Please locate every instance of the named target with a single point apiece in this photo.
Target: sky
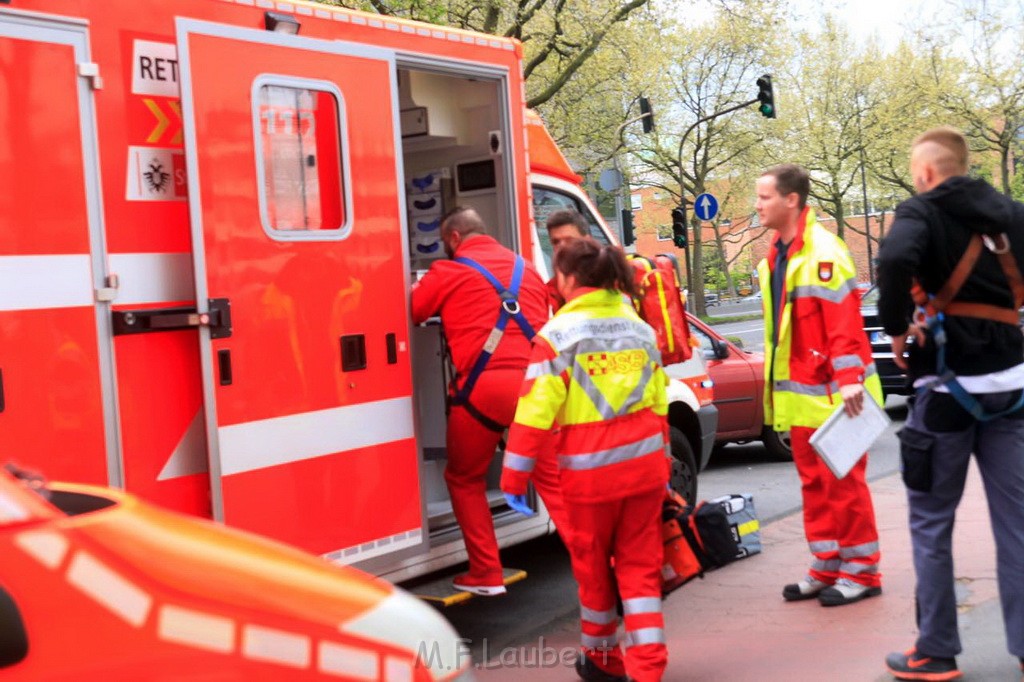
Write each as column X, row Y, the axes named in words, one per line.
column 887, row 18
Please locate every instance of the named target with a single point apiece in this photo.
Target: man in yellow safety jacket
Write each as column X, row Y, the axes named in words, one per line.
column 817, row 358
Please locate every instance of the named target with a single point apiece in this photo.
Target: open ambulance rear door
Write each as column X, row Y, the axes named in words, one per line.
column 299, row 242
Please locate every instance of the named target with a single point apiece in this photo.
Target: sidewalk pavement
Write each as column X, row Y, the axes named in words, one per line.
column 734, row 626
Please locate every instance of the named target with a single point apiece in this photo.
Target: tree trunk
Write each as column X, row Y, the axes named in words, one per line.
column 730, row 285
column 1004, row 169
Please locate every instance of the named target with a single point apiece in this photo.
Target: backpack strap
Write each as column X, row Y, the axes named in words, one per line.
column 933, row 309
column 943, row 302
column 509, row 308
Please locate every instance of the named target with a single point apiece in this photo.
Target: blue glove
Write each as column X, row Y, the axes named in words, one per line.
column 518, row 503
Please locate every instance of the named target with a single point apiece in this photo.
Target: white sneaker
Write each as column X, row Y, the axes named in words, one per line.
column 846, row 591
column 808, row 588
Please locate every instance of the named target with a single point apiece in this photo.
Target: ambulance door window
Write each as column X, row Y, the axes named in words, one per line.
column 547, row 201
column 300, row 160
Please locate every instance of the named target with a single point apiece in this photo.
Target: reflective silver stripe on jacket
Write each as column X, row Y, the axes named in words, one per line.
column 817, row 390
column 867, row 549
column 638, row 605
column 519, row 462
column 598, row 617
column 604, row 408
column 844, row 361
column 622, row 453
column 599, row 642
column 547, row 367
column 603, row 329
column 645, row 636
column 824, row 293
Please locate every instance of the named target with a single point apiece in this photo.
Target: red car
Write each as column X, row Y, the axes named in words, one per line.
column 738, row 376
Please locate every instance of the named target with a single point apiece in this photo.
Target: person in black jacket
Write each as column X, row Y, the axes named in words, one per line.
column 984, row 350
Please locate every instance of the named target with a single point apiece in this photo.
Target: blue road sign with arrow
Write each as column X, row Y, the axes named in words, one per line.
column 705, row 206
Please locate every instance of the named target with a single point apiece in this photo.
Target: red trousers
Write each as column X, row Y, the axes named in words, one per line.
column 471, row 449
column 627, row 531
column 839, row 518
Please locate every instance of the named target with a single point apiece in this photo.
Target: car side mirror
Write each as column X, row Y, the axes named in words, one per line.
column 721, row 348
column 14, row 643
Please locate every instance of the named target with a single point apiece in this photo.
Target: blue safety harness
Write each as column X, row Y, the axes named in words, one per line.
column 931, row 313
column 508, row 309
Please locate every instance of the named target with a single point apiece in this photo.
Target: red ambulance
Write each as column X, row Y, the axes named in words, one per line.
column 213, row 211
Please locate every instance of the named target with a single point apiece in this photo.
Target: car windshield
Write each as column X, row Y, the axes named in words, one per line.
column 870, row 297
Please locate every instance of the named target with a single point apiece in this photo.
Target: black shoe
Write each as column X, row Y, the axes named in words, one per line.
column 588, row 670
column 915, row 666
column 846, row 592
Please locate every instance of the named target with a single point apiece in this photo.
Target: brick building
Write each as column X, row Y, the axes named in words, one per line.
column 745, row 241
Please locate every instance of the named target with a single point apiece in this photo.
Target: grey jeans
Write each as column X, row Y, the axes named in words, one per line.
column 998, row 446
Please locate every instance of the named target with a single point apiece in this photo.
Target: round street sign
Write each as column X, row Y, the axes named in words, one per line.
column 705, row 206
column 610, row 180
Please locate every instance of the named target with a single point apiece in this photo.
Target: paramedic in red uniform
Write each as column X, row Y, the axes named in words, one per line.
column 470, row 309
column 817, row 358
column 595, row 376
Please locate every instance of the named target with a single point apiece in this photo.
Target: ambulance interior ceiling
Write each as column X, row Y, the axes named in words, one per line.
column 447, row 123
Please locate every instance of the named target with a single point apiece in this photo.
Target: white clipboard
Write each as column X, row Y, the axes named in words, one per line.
column 841, row 441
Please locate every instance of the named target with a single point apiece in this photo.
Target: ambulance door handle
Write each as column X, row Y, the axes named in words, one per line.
column 353, row 352
column 224, row 367
column 3, row 402
column 392, row 342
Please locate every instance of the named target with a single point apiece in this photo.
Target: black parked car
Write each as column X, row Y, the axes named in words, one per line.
column 894, row 381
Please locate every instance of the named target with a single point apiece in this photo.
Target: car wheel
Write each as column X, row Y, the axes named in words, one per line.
column 777, row 444
column 684, row 466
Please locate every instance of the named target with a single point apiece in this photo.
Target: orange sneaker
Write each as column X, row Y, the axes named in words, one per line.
column 487, row 587
column 914, row 666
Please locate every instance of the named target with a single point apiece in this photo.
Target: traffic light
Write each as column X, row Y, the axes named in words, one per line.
column 679, row 226
column 765, row 96
column 648, row 115
column 627, row 228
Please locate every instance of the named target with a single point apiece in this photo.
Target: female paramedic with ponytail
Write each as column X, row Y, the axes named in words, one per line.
column 595, row 376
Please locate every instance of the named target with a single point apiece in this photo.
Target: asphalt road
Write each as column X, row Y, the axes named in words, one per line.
column 546, row 600
column 751, row 333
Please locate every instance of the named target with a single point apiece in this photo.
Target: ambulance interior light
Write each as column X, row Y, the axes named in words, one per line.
column 281, row 23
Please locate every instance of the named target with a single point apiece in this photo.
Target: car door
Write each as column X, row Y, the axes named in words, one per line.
column 736, row 391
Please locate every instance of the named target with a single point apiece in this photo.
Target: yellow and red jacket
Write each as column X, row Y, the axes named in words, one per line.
column 595, row 374
column 821, row 341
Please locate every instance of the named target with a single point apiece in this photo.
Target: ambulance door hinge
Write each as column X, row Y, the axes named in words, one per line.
column 217, row 319
column 91, row 70
column 108, row 292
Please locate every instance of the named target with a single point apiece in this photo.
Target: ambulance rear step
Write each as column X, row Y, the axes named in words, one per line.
column 441, row 592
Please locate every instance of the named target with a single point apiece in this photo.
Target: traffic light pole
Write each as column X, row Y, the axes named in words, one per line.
column 715, row 115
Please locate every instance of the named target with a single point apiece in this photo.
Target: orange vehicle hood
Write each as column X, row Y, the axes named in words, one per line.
column 545, row 156
column 211, row 563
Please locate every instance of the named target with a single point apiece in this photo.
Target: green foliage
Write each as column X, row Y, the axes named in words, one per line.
column 714, row 272
column 558, row 36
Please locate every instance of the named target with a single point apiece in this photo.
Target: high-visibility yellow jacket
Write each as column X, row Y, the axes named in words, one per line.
column 821, row 341
column 594, row 374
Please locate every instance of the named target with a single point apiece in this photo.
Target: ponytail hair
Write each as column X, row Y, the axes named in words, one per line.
column 593, row 265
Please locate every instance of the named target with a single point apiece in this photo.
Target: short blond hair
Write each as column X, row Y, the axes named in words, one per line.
column 952, row 158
